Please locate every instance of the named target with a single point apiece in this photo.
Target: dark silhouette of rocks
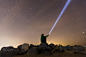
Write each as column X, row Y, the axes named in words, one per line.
column 19, row 48
column 23, row 48
column 9, row 51
column 33, row 51
column 52, row 45
column 31, row 45
column 43, row 48
column 68, row 47
column 81, row 48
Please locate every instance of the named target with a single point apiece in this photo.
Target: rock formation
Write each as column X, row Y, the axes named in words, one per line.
column 23, row 48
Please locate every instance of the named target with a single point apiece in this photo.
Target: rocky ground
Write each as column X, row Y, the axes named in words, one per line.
column 53, row 55
column 56, row 54
column 43, row 50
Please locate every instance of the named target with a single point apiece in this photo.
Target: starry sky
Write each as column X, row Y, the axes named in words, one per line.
column 23, row 21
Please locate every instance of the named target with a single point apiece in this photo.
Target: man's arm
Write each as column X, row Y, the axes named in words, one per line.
column 47, row 35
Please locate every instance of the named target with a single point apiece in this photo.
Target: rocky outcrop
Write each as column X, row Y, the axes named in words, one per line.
column 52, row 45
column 33, row 51
column 44, row 49
column 23, row 48
column 9, row 51
column 61, row 49
column 75, row 48
column 31, row 45
column 81, row 49
column 68, row 47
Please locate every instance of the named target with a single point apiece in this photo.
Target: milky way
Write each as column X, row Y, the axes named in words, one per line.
column 23, row 21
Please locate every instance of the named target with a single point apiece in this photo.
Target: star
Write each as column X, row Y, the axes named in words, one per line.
column 14, row 14
column 30, row 8
column 79, row 14
column 13, row 21
column 8, row 10
column 18, row 8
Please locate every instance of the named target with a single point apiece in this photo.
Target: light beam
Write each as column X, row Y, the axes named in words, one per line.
column 67, row 3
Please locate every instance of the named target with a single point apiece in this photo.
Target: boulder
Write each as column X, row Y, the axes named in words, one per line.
column 68, row 47
column 19, row 48
column 75, row 48
column 65, row 48
column 31, row 45
column 8, row 51
column 44, row 48
column 60, row 49
column 23, row 48
column 55, row 49
column 52, row 45
column 33, row 51
column 14, row 52
column 10, row 48
column 81, row 49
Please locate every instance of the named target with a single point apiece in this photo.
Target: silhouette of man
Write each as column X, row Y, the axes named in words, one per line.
column 43, row 38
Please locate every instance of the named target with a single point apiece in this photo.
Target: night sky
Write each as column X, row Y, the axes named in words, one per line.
column 23, row 21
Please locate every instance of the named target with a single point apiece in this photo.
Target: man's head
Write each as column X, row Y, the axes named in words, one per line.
column 42, row 34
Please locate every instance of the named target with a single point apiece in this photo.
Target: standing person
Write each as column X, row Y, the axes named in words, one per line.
column 43, row 38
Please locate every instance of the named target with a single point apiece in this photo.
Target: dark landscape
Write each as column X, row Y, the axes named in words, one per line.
column 43, row 50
